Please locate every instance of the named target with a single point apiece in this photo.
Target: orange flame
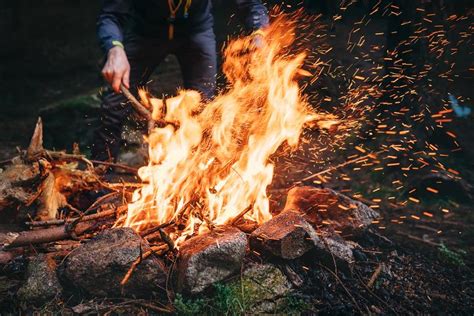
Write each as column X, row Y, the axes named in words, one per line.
column 211, row 161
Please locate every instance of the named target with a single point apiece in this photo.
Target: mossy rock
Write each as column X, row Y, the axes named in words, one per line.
column 263, row 289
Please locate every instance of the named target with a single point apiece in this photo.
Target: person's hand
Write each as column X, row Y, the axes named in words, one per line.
column 117, row 69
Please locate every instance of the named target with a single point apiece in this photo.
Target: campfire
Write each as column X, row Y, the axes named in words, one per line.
column 204, row 189
column 210, row 162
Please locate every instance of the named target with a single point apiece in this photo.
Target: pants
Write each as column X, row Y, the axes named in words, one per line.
column 196, row 55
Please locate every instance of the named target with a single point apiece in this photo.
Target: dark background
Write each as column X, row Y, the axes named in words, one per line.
column 50, row 61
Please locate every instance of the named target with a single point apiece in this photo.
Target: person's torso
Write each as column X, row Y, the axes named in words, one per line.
column 153, row 17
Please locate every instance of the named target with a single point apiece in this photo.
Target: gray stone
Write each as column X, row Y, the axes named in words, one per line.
column 287, row 235
column 210, row 258
column 330, row 245
column 42, row 284
column 330, row 208
column 98, row 266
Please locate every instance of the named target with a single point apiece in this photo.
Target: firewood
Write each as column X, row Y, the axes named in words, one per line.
column 36, row 144
column 33, row 237
column 73, row 227
column 84, row 219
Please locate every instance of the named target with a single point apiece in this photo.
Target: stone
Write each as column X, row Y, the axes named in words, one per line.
column 98, row 266
column 287, row 235
column 331, row 208
column 331, row 245
column 209, row 258
column 264, row 287
column 42, row 284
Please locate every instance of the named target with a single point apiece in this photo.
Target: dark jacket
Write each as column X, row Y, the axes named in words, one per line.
column 149, row 18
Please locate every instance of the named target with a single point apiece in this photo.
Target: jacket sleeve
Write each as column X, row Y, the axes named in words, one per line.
column 253, row 14
column 110, row 22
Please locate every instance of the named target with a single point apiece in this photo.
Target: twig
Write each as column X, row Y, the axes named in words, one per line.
column 142, row 110
column 375, row 275
column 155, row 229
column 32, row 237
column 115, row 165
column 8, row 161
column 84, row 218
column 140, row 259
column 241, row 214
column 66, row 156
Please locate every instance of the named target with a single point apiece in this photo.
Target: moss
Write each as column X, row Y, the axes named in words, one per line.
column 260, row 289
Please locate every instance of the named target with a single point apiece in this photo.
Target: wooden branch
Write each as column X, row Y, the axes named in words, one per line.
column 241, row 214
column 375, row 275
column 72, row 227
column 62, row 221
column 33, row 237
column 115, row 165
column 142, row 110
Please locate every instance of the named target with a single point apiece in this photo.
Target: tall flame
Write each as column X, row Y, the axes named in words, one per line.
column 211, row 162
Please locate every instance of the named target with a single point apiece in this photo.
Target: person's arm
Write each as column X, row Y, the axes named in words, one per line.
column 253, row 14
column 111, row 21
column 110, row 25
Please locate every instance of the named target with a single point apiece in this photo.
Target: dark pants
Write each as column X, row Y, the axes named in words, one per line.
column 196, row 55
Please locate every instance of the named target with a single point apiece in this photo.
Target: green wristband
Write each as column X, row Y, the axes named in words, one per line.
column 117, row 43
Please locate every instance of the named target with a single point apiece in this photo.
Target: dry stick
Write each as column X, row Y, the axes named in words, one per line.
column 241, row 214
column 140, row 259
column 375, row 275
column 355, row 160
column 156, row 228
column 140, row 108
column 66, row 156
column 115, row 165
column 62, row 221
column 32, row 237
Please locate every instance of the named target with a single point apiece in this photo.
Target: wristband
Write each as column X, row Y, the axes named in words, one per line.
column 258, row 32
column 117, row 43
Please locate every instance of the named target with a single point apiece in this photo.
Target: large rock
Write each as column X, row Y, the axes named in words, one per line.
column 264, row 287
column 326, row 206
column 42, row 284
column 287, row 235
column 331, row 245
column 98, row 266
column 210, row 258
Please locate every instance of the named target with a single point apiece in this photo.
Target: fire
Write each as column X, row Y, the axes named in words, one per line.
column 210, row 163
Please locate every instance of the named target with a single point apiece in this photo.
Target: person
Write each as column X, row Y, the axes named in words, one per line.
column 137, row 35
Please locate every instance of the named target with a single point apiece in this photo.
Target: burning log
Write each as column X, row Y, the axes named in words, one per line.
column 287, row 235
